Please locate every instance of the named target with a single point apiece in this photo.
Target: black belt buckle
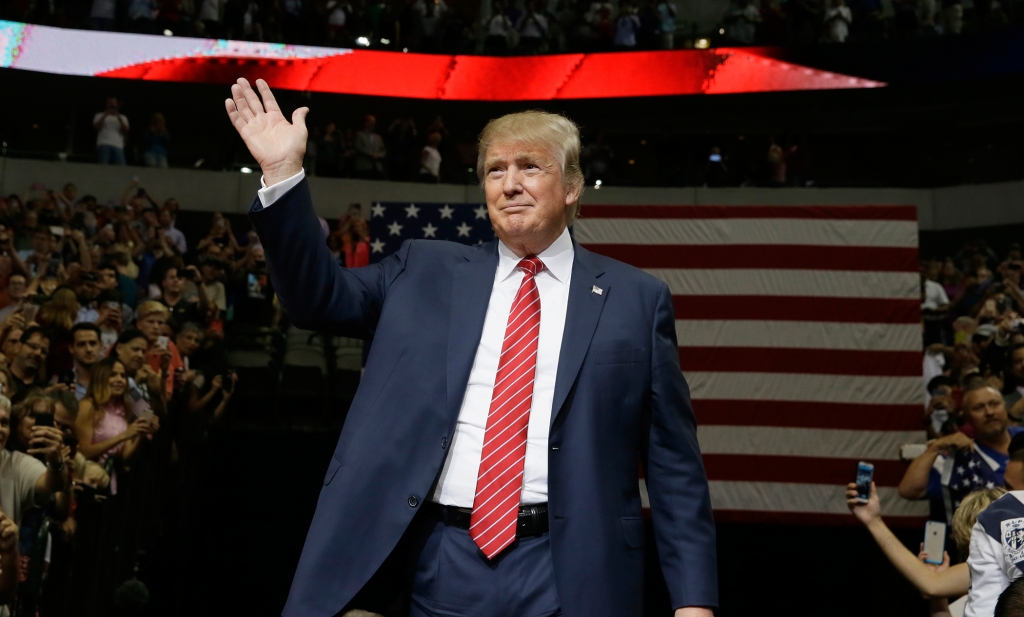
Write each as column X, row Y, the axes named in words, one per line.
column 529, row 523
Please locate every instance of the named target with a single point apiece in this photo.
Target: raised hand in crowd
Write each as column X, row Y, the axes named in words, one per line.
column 277, row 145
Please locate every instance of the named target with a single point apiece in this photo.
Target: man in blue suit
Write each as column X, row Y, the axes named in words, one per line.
column 510, row 391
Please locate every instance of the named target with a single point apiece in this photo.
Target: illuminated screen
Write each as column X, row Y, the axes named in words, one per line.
column 406, row 75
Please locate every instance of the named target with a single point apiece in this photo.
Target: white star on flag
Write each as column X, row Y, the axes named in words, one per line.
column 412, row 211
column 378, row 210
column 446, row 212
column 960, row 469
column 377, row 246
column 395, row 229
column 990, row 485
column 429, row 230
column 481, row 212
column 464, row 230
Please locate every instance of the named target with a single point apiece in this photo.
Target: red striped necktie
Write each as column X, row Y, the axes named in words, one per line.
column 500, row 479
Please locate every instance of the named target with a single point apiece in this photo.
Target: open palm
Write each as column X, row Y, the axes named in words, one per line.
column 276, row 144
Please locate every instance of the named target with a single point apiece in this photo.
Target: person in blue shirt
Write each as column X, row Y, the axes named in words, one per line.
column 955, row 465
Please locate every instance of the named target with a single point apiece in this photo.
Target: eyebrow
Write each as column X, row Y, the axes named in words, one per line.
column 529, row 155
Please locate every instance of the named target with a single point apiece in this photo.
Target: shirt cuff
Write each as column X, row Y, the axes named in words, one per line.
column 270, row 194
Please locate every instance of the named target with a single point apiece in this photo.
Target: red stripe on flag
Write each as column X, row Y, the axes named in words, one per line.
column 797, row 469
column 807, row 519
column 799, row 308
column 809, row 361
column 854, row 213
column 799, row 414
column 763, row 256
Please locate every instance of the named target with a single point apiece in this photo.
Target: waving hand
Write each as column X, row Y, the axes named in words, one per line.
column 276, row 144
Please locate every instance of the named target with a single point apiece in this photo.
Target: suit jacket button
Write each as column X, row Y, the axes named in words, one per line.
column 413, row 501
column 444, row 443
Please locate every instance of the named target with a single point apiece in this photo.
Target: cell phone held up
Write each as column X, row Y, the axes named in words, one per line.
column 865, row 474
column 42, row 419
column 934, row 541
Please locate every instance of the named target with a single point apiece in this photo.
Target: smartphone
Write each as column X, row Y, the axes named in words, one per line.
column 161, row 343
column 52, row 266
column 113, row 305
column 44, row 419
column 57, row 230
column 140, row 407
column 865, row 473
column 28, row 311
column 715, row 158
column 934, row 541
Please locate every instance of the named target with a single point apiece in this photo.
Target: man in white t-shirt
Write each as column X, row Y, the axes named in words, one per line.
column 111, row 127
column 430, row 160
column 935, row 298
column 24, row 481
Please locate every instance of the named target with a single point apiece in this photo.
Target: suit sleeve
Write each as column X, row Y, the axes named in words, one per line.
column 315, row 291
column 988, row 579
column 676, row 483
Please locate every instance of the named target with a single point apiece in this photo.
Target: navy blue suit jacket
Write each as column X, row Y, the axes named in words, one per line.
column 619, row 397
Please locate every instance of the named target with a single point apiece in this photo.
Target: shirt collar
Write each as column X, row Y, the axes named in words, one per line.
column 557, row 259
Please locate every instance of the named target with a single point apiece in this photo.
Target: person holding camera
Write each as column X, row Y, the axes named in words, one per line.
column 172, row 295
column 24, row 480
column 107, row 425
column 111, row 128
column 162, row 357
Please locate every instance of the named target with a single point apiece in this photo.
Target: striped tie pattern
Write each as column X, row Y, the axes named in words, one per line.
column 500, row 479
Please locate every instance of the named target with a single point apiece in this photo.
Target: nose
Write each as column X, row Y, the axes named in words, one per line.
column 510, row 184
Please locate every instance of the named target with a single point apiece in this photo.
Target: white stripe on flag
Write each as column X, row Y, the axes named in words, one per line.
column 790, row 497
column 811, row 442
column 798, row 334
column 817, row 232
column 804, row 387
column 820, row 283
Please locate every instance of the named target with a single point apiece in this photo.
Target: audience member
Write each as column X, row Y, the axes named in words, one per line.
column 87, row 350
column 107, row 425
column 28, row 362
column 25, row 481
column 111, row 128
column 370, row 151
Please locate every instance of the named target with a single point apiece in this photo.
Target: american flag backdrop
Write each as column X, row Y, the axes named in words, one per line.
column 799, row 333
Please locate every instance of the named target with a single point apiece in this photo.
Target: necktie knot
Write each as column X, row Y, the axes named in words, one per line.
column 531, row 265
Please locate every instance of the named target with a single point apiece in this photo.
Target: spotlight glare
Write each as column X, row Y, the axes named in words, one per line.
column 246, row 170
column 168, row 33
column 365, row 42
column 385, row 41
column 702, row 43
column 721, row 30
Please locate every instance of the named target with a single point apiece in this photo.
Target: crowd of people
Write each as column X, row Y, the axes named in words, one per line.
column 973, row 368
column 115, row 330
column 521, row 27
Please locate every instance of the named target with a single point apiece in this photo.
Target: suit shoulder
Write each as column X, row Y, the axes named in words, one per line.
column 622, row 271
column 443, row 248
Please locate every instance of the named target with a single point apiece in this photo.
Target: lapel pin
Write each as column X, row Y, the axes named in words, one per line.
column 596, row 290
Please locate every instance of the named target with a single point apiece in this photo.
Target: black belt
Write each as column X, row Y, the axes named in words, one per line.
column 533, row 520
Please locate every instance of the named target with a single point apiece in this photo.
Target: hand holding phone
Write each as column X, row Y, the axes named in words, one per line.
column 865, row 474
column 161, row 343
column 934, row 542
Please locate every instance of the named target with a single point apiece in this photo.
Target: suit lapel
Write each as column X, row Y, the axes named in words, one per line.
column 472, row 282
column 581, row 317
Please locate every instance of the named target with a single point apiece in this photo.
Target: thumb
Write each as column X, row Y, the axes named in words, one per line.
column 299, row 116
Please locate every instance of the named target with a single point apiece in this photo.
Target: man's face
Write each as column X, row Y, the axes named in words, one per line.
column 32, row 353
column 1018, row 362
column 12, row 344
column 86, row 348
column 133, row 354
column 985, row 412
column 152, row 325
column 188, row 342
column 172, row 282
column 984, row 274
column 88, row 291
column 106, row 280
column 16, row 286
column 210, row 273
column 526, row 198
column 41, row 242
column 165, row 218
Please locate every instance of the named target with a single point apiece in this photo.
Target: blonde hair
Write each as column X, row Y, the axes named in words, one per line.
column 60, row 311
column 967, row 515
column 556, row 133
column 150, row 307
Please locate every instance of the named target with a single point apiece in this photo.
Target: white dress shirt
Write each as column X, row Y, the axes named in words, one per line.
column 457, row 486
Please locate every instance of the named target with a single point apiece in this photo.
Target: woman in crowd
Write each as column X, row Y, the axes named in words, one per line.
column 162, row 355
column 58, row 316
column 355, row 239
column 106, row 425
column 940, row 582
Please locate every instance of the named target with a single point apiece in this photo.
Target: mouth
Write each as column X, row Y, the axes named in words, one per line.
column 515, row 207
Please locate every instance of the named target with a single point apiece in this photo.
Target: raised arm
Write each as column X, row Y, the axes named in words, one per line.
column 314, row 290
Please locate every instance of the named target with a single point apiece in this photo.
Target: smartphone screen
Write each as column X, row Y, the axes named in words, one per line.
column 865, row 473
column 44, row 419
column 161, row 342
column 934, row 541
